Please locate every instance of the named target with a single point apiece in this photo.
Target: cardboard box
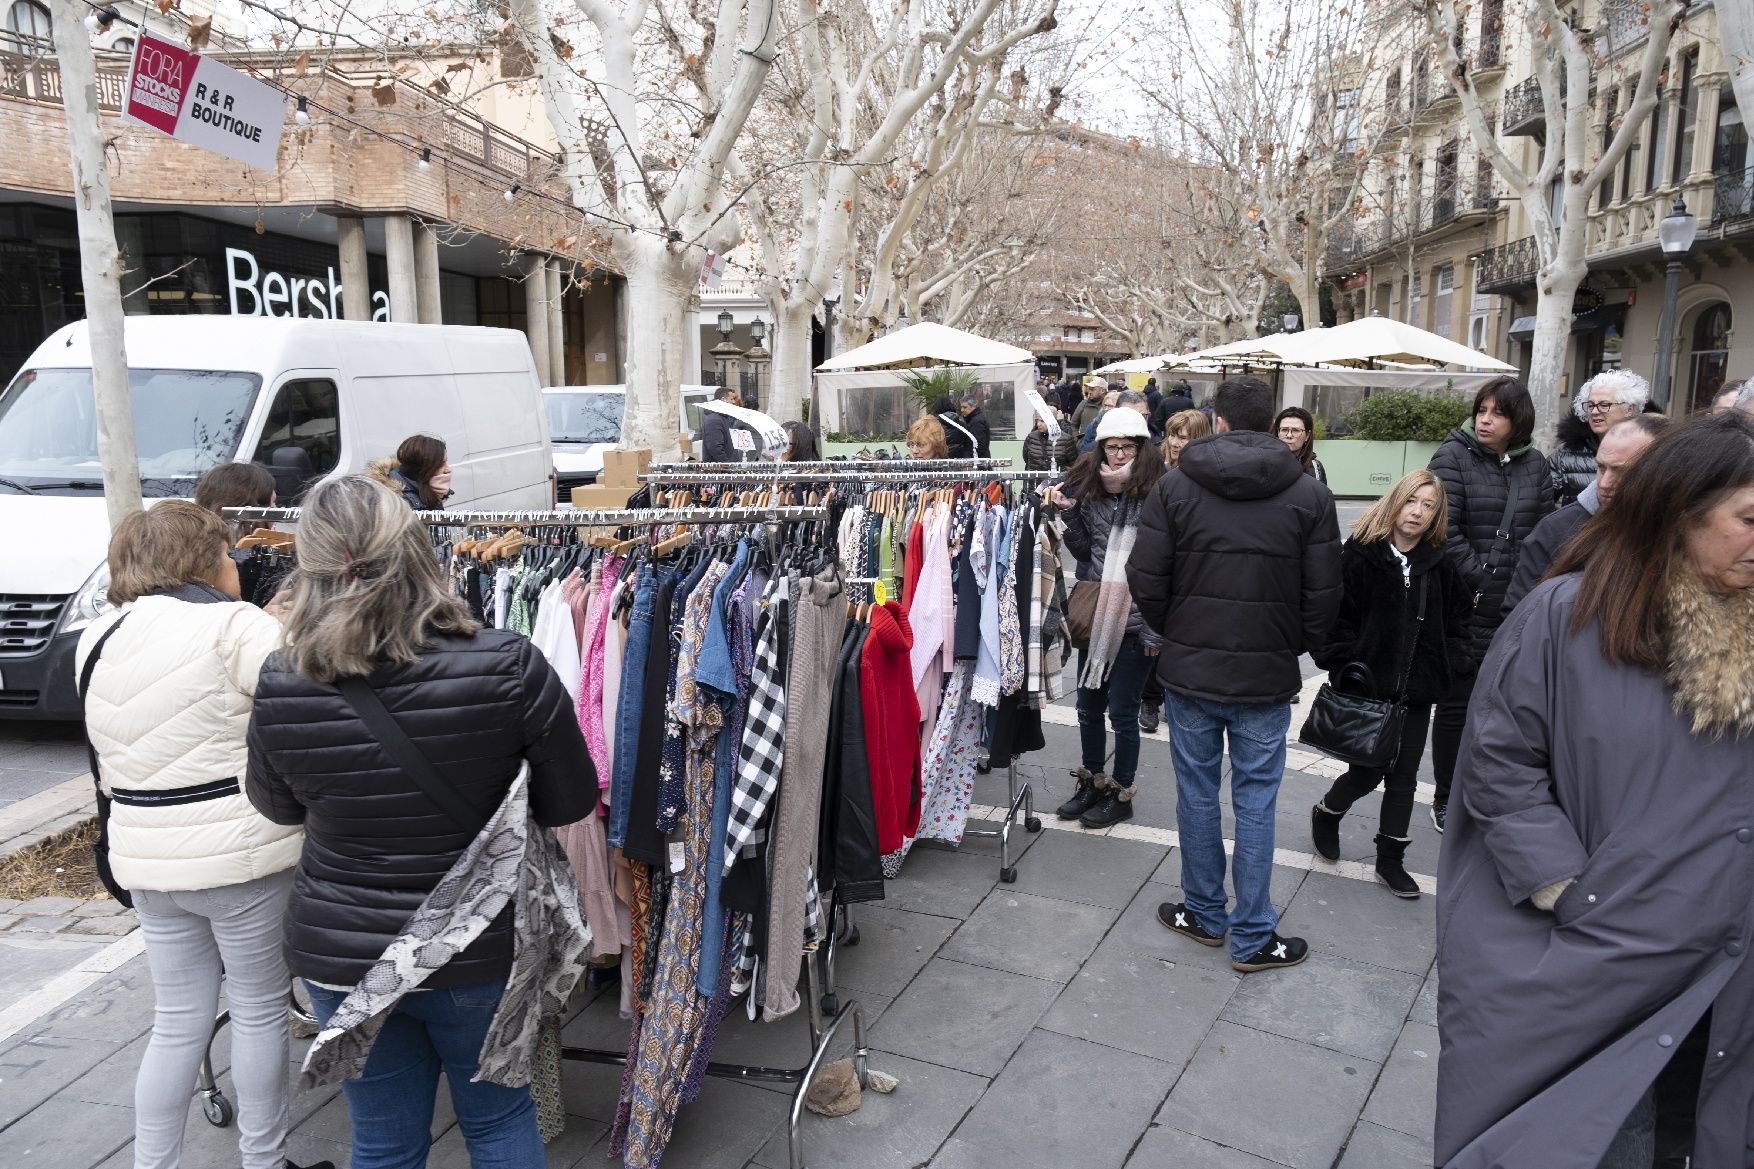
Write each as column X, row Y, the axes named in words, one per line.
column 622, row 468
column 601, row 495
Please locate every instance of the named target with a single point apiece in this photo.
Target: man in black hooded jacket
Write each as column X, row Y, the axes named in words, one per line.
column 1237, row 567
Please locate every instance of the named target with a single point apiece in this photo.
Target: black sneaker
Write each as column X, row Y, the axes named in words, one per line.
column 1116, row 806
column 1150, row 714
column 1439, row 813
column 1084, row 797
column 1324, row 832
column 312, row 1165
column 1276, row 953
column 1177, row 916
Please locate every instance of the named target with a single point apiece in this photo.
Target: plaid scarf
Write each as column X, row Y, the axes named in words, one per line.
column 1114, row 603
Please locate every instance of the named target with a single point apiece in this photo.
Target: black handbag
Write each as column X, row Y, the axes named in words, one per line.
column 101, row 849
column 1346, row 723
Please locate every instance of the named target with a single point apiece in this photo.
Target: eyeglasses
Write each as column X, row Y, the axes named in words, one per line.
column 1118, row 445
column 1292, row 432
column 1599, row 407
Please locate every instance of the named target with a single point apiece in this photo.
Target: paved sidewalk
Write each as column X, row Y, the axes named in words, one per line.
column 1052, row 1022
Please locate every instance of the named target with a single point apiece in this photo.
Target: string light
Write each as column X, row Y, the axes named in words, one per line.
column 426, row 158
column 302, row 114
column 98, row 20
column 512, row 192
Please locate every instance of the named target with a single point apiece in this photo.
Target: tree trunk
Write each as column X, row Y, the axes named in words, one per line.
column 1735, row 26
column 1558, row 285
column 658, row 288
column 792, row 333
column 100, row 262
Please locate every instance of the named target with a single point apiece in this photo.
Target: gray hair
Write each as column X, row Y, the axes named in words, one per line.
column 1628, row 388
column 368, row 590
column 1132, row 398
column 1744, row 396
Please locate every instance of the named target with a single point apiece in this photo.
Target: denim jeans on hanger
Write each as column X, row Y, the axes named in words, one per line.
column 627, row 710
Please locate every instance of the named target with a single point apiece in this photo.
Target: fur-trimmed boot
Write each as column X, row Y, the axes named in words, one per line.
column 1391, row 852
column 1324, row 831
column 1084, row 796
column 1115, row 805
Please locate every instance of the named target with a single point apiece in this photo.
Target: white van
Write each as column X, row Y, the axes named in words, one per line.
column 305, row 398
column 583, row 422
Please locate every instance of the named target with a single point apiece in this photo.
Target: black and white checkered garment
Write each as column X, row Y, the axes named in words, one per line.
column 763, row 747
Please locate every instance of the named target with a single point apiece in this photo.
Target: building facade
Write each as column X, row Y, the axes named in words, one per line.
column 1438, row 241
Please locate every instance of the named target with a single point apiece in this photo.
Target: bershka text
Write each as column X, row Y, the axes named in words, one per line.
column 255, row 293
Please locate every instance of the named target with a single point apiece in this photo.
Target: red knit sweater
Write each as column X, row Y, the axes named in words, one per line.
column 892, row 725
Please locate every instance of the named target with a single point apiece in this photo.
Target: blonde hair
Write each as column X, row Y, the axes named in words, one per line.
column 1379, row 522
column 164, row 547
column 1190, row 424
column 367, row 590
column 930, row 432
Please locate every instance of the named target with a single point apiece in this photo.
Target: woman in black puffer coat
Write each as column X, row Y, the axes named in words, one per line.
column 368, row 602
column 1604, row 401
column 1404, row 610
column 1482, row 464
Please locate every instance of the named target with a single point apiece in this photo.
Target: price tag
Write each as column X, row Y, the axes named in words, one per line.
column 880, row 591
column 742, row 440
column 678, row 858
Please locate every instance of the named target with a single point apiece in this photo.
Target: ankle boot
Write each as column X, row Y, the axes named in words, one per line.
column 1115, row 805
column 1084, row 797
column 1324, row 831
column 1391, row 851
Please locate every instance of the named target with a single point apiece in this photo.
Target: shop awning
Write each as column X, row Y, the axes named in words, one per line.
column 928, row 344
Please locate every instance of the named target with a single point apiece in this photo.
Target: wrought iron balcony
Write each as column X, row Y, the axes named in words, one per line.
column 1734, row 200
column 1524, row 112
column 1507, row 267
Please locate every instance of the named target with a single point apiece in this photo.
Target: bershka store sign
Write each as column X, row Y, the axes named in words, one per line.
column 204, row 103
column 257, row 293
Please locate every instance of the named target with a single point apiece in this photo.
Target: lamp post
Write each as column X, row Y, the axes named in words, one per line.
column 758, row 357
column 1291, row 321
column 725, row 353
column 1676, row 233
column 830, row 302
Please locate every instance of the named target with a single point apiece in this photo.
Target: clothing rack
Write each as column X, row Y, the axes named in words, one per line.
column 835, row 464
column 821, row 1037
column 677, row 478
column 573, row 517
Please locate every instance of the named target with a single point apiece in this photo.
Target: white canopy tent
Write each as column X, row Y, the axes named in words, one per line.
column 928, row 344
column 1363, row 342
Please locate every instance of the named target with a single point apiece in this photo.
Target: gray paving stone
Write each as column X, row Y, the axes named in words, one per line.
column 1425, row 1006
column 894, row 945
column 8, row 904
column 1061, row 1101
column 1164, row 1146
column 1405, row 1098
column 1092, row 870
column 41, row 925
column 68, row 1133
column 112, row 1081
column 116, row 1010
column 1138, row 931
column 103, row 927
column 35, row 1069
column 988, row 846
column 1383, row 930
column 964, row 1017
column 726, row 1127
column 1350, row 1007
column 47, row 906
column 1142, row 1004
column 786, row 1043
column 8, row 920
column 1030, row 935
column 941, row 881
column 102, row 907
column 1375, row 1147
column 1281, row 888
column 901, row 1129
column 1277, row 1098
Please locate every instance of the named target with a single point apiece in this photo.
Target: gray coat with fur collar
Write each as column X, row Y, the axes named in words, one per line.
column 1574, row 768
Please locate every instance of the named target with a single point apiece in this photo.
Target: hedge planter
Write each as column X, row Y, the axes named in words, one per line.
column 1361, row 469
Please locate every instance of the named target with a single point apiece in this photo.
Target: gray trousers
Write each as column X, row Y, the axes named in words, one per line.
column 192, row 938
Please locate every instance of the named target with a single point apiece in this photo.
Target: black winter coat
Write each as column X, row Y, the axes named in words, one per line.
column 1089, row 523
column 1572, row 465
column 1169, row 406
column 1036, row 451
column 976, row 421
column 715, row 439
column 957, row 440
column 1237, row 565
column 1544, row 544
column 1379, row 619
column 1477, row 482
column 375, row 845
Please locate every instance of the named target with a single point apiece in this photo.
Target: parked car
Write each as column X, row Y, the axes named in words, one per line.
column 583, row 422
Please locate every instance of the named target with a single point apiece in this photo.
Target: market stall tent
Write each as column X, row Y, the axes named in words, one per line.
column 928, row 344
column 862, row 392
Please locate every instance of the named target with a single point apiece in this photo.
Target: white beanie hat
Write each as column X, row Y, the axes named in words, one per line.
column 1122, row 422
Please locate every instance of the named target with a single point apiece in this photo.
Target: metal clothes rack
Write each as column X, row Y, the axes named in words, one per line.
column 679, row 478
column 821, row 1038
column 767, row 468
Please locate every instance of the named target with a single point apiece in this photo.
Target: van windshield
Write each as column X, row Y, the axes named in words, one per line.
column 584, row 418
column 185, row 421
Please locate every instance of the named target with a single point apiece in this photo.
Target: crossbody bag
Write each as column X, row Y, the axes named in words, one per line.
column 1354, row 727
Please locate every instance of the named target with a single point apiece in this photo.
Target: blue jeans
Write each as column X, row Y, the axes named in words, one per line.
column 1257, row 764
column 391, row 1104
column 1120, row 697
column 627, row 710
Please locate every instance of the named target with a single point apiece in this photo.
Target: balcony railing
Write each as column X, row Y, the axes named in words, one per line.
column 1523, row 109
column 1508, row 266
column 1735, row 198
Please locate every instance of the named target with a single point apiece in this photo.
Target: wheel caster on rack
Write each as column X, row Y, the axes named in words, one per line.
column 217, row 1109
column 1008, row 875
column 830, row 1006
column 852, row 938
column 1033, row 824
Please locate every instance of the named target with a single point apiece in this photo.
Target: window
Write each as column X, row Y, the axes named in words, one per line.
column 1629, row 163
column 1710, row 356
column 1392, row 90
column 1346, row 121
column 1416, row 302
column 1442, row 301
column 1729, row 150
column 1477, row 332
column 1689, row 115
column 28, row 20
column 1491, row 34
column 1609, row 112
column 122, row 45
column 1659, row 138
column 301, row 440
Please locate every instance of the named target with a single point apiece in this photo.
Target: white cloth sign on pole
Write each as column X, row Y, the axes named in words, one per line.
column 773, row 436
column 1045, row 413
column 197, row 100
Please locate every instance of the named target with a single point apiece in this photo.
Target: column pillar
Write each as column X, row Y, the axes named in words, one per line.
column 356, row 291
column 399, row 259
column 556, row 323
column 536, row 313
column 427, row 286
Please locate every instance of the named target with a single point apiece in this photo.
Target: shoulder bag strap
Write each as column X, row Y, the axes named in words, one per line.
column 1413, row 648
column 370, row 708
column 1502, row 537
column 85, row 688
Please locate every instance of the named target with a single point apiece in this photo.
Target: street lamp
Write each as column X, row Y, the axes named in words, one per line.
column 1676, row 233
column 830, row 302
column 725, row 353
column 758, row 356
column 1290, row 321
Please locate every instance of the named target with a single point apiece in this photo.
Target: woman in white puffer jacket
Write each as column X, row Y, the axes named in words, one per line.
column 167, row 707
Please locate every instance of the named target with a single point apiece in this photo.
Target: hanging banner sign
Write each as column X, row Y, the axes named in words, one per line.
column 774, row 439
column 1041, row 408
column 197, row 100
